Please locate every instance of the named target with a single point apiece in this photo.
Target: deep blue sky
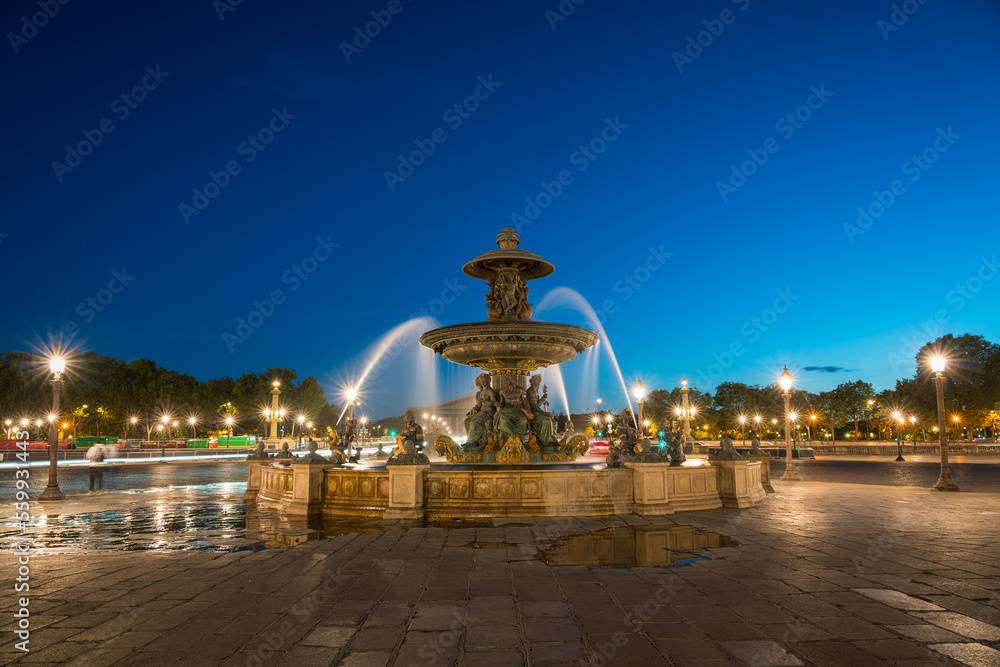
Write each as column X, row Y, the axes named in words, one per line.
column 654, row 186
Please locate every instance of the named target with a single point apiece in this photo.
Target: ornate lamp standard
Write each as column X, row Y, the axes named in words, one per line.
column 57, row 365
column 899, row 435
column 785, row 380
column 192, row 422
column 944, row 482
column 350, row 395
column 743, row 433
column 229, row 429
column 639, row 392
column 273, row 416
column 686, row 412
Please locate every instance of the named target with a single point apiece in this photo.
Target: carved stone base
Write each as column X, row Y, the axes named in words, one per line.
column 649, row 483
column 307, row 488
column 253, row 479
column 406, row 492
column 739, row 483
column 765, row 472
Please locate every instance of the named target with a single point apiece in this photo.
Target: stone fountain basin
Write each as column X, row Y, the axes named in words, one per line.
column 521, row 344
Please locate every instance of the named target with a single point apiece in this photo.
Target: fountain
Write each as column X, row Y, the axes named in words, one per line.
column 512, row 463
column 508, row 423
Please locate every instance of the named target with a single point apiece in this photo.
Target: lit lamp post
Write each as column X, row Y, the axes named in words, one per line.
column 743, row 433
column 351, row 394
column 899, row 435
column 192, row 422
column 301, row 420
column 598, row 405
column 944, row 482
column 913, row 430
column 57, row 365
column 133, row 420
column 229, row 429
column 958, row 433
column 686, row 412
column 639, row 392
column 274, row 417
column 809, row 425
column 757, row 419
column 785, row 380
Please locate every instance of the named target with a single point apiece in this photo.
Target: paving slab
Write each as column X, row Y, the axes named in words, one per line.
column 804, row 586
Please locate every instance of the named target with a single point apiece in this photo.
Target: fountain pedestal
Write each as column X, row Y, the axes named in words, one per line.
column 406, row 492
column 253, row 479
column 651, row 488
column 739, row 483
column 307, row 488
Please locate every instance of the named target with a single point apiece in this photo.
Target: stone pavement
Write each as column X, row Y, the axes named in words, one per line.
column 825, row 574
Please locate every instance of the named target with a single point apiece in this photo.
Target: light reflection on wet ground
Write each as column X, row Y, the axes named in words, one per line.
column 636, row 546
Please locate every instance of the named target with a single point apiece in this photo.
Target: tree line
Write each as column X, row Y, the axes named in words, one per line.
column 853, row 410
column 116, row 391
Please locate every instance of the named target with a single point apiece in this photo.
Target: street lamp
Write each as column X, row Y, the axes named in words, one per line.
column 757, row 419
column 192, row 422
column 913, row 430
column 809, row 425
column 944, row 482
column 954, row 419
column 639, row 392
column 350, row 395
column 743, row 433
column 899, row 435
column 598, row 405
column 229, row 429
column 785, row 380
column 57, row 365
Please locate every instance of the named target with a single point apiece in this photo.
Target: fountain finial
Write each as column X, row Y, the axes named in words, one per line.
column 508, row 239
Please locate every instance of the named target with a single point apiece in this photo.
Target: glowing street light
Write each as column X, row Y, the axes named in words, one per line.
column 52, row 492
column 743, row 433
column 639, row 392
column 785, row 380
column 944, row 482
column 192, row 422
column 898, row 418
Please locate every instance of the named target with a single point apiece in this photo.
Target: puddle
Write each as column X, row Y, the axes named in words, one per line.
column 636, row 546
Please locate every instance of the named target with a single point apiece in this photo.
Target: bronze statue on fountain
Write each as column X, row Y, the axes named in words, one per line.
column 479, row 420
column 509, row 423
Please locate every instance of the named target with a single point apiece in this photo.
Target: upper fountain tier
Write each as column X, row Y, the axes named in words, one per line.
column 510, row 339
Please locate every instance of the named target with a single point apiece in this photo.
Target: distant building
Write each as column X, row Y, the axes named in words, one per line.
column 450, row 413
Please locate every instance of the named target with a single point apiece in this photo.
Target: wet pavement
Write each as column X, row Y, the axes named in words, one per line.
column 967, row 472
column 817, row 574
column 132, row 476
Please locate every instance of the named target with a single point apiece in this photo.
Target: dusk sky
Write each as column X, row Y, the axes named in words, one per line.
column 708, row 209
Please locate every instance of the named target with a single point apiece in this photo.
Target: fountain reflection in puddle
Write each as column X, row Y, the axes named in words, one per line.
column 636, row 546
